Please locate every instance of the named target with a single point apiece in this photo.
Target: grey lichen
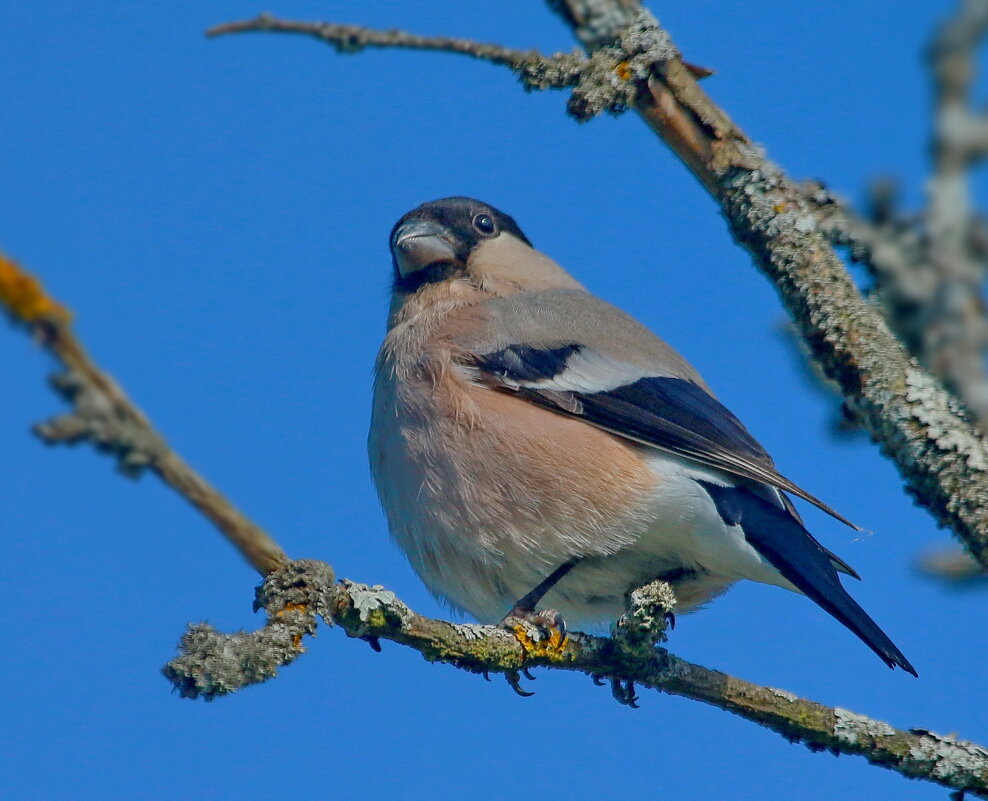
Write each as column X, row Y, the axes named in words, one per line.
column 649, row 612
column 615, row 74
column 958, row 762
column 852, row 729
column 595, row 21
column 368, row 598
column 211, row 664
column 612, row 78
column 95, row 418
column 471, row 631
column 302, row 583
column 933, row 409
column 558, row 71
column 374, row 605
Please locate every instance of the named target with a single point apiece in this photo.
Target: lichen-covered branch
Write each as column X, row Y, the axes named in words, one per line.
column 928, row 268
column 103, row 415
column 606, row 80
column 213, row 664
column 941, row 455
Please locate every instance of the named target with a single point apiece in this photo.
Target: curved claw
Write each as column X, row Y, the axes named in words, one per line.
column 560, row 625
column 527, row 674
column 514, row 682
column 539, row 633
column 624, row 693
column 373, row 642
column 597, row 679
column 486, row 674
column 670, row 620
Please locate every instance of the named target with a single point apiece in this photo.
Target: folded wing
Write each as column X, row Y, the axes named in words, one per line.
column 670, row 413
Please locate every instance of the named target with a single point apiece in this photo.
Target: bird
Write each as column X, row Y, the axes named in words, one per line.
column 539, row 453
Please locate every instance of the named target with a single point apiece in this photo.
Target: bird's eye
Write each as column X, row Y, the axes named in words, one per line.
column 484, row 223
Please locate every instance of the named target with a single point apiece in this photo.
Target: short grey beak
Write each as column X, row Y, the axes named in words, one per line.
column 419, row 243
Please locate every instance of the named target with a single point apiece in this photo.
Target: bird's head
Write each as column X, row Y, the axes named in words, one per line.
column 461, row 239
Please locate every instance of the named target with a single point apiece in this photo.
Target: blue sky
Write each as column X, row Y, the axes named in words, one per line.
column 216, row 213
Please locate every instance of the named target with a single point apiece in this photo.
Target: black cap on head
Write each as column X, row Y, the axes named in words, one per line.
column 433, row 241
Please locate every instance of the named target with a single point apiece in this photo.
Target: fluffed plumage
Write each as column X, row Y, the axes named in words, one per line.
column 520, row 423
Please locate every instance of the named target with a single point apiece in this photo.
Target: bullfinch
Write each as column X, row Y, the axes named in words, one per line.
column 540, row 453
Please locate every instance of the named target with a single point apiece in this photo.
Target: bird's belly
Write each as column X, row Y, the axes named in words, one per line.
column 487, row 497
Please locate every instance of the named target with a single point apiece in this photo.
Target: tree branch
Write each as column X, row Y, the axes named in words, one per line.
column 355, row 38
column 104, row 415
column 212, row 664
column 928, row 268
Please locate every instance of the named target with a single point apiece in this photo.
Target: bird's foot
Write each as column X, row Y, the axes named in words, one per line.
column 514, row 682
column 539, row 633
column 624, row 692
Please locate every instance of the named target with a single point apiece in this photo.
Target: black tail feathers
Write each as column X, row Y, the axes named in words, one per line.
column 792, row 550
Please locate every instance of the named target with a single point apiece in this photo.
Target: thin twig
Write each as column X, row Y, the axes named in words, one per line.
column 103, row 414
column 354, row 38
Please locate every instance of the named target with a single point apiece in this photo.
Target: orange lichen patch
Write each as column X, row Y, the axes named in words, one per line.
column 551, row 648
column 297, row 642
column 293, row 608
column 24, row 296
column 623, row 71
column 779, row 208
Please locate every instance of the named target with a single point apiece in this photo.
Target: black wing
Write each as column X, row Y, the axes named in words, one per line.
column 664, row 412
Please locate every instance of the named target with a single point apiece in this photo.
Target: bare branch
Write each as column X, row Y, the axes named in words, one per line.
column 212, row 664
column 355, row 38
column 607, row 80
column 558, row 71
column 103, row 414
